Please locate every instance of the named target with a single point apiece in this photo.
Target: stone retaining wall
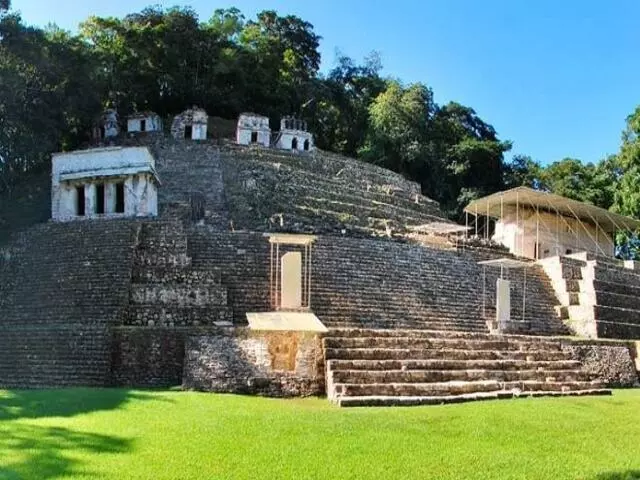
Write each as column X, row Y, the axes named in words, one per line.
column 378, row 283
column 240, row 360
column 147, row 357
column 614, row 363
column 62, row 287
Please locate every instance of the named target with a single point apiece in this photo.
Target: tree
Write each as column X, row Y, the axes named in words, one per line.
column 627, row 193
column 399, row 119
column 472, row 156
column 522, row 171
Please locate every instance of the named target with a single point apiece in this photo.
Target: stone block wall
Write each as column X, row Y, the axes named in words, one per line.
column 62, row 288
column 598, row 297
column 377, row 283
column 612, row 362
column 240, row 360
column 147, row 357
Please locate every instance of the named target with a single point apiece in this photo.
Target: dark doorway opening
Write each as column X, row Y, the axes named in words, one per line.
column 294, row 144
column 143, row 125
column 254, row 137
column 120, row 197
column 306, row 145
column 80, row 201
column 188, row 132
column 100, row 198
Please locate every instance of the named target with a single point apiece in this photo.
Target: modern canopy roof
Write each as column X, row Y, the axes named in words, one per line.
column 498, row 203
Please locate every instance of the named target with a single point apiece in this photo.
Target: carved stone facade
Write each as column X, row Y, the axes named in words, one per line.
column 144, row 122
column 103, row 183
column 294, row 135
column 190, row 125
column 253, row 129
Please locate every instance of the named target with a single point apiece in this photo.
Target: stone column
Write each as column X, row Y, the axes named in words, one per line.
column 110, row 194
column 130, row 197
column 90, row 200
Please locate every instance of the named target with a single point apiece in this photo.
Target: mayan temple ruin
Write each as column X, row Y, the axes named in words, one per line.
column 253, row 262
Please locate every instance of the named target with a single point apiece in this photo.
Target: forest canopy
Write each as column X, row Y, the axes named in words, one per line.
column 54, row 84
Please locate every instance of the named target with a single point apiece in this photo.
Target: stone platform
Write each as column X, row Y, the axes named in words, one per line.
column 367, row 367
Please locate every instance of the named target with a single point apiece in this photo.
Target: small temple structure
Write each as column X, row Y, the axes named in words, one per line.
column 294, row 135
column 144, row 122
column 104, row 183
column 190, row 125
column 253, row 129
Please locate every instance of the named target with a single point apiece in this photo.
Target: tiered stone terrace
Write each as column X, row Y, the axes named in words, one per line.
column 597, row 296
column 416, row 367
column 62, row 288
column 116, row 302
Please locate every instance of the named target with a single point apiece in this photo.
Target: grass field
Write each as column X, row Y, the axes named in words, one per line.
column 124, row 434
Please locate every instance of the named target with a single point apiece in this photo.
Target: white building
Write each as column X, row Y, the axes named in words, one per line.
column 253, row 129
column 537, row 225
column 190, row 125
column 144, row 122
column 104, row 183
column 294, row 135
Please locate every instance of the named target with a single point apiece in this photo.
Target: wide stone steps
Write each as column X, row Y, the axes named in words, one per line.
column 409, row 401
column 504, row 364
column 422, row 376
column 431, row 323
column 436, row 343
column 416, row 367
column 457, row 387
column 428, row 354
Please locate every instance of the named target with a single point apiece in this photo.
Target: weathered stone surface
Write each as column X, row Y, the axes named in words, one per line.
column 612, row 363
column 245, row 361
column 379, row 283
column 147, row 357
column 443, row 367
column 62, row 287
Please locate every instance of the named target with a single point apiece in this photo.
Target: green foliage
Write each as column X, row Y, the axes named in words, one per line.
column 117, row 433
column 53, row 86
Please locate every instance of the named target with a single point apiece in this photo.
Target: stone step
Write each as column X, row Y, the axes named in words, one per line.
column 390, row 401
column 471, row 326
column 174, row 274
column 447, row 363
column 167, row 316
column 178, row 295
column 440, row 353
column 428, row 333
column 436, row 343
column 454, row 387
column 151, row 258
column 433, row 376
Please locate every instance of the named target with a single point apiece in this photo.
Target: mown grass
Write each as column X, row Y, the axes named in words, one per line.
column 122, row 434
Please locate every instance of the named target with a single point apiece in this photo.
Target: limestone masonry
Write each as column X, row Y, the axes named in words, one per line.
column 159, row 244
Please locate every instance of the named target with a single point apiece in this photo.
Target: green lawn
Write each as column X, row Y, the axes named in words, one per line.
column 125, row 434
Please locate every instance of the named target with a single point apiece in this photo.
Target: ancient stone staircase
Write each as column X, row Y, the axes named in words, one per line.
column 166, row 290
column 598, row 296
column 366, row 367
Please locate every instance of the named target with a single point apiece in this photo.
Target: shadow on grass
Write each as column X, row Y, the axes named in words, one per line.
column 627, row 475
column 30, row 451
column 16, row 404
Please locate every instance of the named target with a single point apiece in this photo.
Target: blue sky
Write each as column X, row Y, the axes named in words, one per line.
column 557, row 78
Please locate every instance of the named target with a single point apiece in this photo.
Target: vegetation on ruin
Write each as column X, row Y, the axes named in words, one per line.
column 116, row 433
column 54, row 84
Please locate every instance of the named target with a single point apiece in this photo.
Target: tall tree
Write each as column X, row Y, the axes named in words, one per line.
column 627, row 194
